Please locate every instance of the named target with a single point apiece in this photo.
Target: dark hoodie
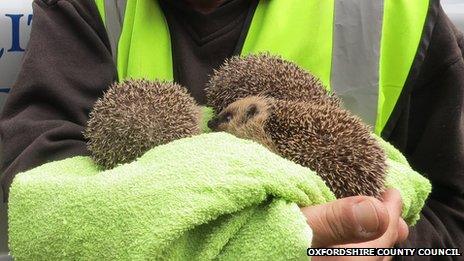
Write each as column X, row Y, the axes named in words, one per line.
column 68, row 65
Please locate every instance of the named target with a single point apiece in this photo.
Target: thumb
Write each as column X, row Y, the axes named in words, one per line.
column 347, row 220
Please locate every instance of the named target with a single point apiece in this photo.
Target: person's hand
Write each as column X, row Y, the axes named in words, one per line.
column 357, row 222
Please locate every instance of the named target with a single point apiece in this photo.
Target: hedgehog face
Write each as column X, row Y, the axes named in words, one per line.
column 245, row 113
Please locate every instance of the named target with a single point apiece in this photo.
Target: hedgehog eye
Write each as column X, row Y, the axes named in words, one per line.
column 227, row 117
column 251, row 111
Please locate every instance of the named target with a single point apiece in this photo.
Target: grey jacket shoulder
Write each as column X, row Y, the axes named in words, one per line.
column 83, row 3
column 66, row 67
column 87, row 10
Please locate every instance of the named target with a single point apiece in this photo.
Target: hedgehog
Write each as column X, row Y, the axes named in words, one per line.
column 267, row 75
column 335, row 144
column 134, row 116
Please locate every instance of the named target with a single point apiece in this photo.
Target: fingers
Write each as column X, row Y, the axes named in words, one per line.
column 403, row 231
column 348, row 220
column 392, row 199
column 397, row 231
column 358, row 219
column 393, row 202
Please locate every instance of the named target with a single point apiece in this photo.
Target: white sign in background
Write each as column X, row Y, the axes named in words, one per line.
column 15, row 26
column 455, row 10
column 14, row 23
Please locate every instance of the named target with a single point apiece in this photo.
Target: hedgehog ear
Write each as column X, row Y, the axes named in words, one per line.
column 252, row 110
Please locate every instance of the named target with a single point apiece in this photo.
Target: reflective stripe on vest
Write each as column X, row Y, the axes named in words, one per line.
column 113, row 10
column 356, row 54
column 361, row 50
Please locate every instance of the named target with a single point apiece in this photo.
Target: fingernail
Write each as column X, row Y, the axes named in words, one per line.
column 366, row 217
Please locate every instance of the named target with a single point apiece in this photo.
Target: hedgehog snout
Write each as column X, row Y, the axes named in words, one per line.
column 213, row 123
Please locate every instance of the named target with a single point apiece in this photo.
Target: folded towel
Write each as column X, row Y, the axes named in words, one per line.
column 209, row 196
column 413, row 187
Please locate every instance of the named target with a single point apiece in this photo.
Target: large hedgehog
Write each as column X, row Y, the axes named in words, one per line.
column 323, row 137
column 267, row 75
column 136, row 115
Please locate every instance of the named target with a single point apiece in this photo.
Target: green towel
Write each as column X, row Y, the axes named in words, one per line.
column 413, row 187
column 212, row 196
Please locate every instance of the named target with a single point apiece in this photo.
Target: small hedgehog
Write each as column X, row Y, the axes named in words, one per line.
column 323, row 137
column 266, row 75
column 136, row 115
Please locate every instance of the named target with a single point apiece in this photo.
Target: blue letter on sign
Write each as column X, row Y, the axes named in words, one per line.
column 29, row 19
column 15, row 45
